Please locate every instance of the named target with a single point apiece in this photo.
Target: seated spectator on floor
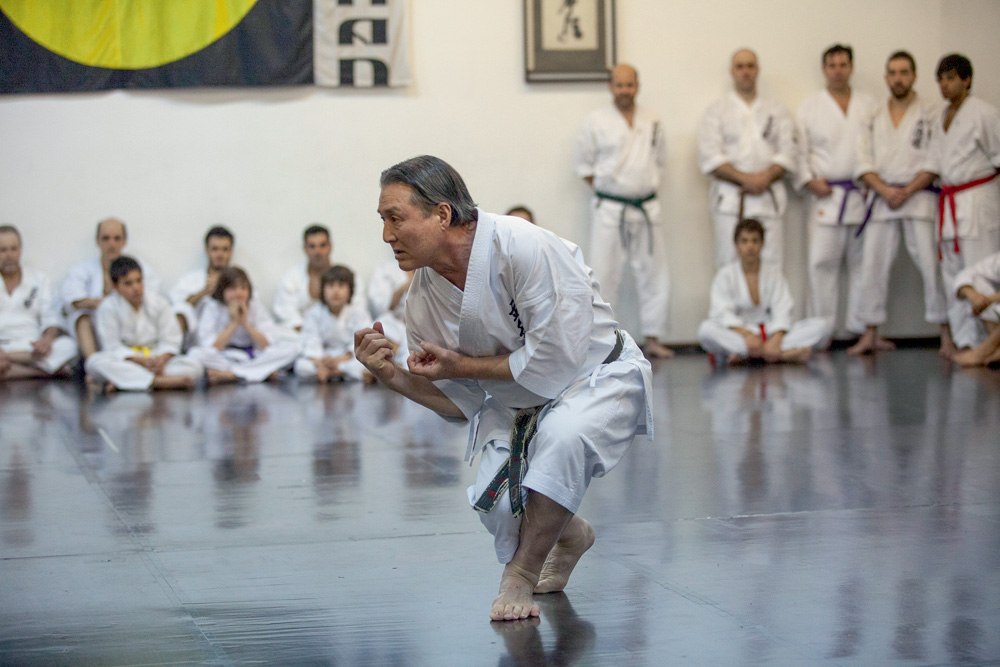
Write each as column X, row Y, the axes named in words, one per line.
column 978, row 290
column 522, row 211
column 139, row 336
column 327, row 339
column 750, row 316
column 33, row 343
column 88, row 283
column 196, row 287
column 387, row 300
column 237, row 340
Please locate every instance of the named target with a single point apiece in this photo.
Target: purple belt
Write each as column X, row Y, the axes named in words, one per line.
column 849, row 186
column 871, row 204
column 248, row 349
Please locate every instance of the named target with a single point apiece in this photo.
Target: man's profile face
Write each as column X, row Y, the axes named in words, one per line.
column 317, row 248
column 952, row 86
column 414, row 236
column 744, row 71
column 10, row 253
column 111, row 239
column 624, row 85
column 900, row 77
column 837, row 69
column 219, row 250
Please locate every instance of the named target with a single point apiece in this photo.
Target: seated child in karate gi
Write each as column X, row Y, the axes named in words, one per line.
column 978, row 304
column 139, row 337
column 237, row 340
column 750, row 315
column 327, row 338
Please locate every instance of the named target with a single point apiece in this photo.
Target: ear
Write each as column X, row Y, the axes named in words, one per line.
column 443, row 210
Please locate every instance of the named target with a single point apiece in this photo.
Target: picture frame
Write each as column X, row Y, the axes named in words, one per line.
column 568, row 40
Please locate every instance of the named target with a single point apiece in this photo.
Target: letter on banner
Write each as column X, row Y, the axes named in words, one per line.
column 361, row 43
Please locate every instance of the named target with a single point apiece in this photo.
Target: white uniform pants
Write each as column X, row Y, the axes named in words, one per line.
column 63, row 351
column 129, row 376
column 830, row 246
column 582, row 434
column 274, row 357
column 608, row 257
column 966, row 329
column 725, row 249
column 722, row 341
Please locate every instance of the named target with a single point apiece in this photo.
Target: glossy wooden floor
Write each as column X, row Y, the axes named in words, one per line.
column 847, row 513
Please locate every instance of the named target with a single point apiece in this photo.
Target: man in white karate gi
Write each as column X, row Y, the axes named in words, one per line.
column 190, row 291
column 620, row 153
column 830, row 123
column 746, row 143
column 977, row 288
column 88, row 283
column 507, row 330
column 892, row 154
column 32, row 340
column 965, row 154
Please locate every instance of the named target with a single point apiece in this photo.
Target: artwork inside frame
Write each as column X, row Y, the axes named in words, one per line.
column 568, row 40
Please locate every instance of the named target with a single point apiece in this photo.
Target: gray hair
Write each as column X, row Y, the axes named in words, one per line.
column 434, row 182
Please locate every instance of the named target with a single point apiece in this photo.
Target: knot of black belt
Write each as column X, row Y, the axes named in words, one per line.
column 634, row 202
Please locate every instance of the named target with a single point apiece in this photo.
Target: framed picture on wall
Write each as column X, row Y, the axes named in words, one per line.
column 568, row 40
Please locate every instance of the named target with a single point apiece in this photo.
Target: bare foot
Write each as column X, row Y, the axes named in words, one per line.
column 968, row 358
column 654, row 349
column 798, row 355
column 870, row 342
column 215, row 376
column 576, row 538
column 182, row 382
column 992, row 359
column 948, row 350
column 735, row 359
column 514, row 601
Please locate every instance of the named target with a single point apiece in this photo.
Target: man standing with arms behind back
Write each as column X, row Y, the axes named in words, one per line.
column 620, row 153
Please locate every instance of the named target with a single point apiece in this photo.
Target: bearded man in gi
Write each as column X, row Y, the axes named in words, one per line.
column 507, row 330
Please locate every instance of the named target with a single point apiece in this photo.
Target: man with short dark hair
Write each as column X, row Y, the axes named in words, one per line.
column 193, row 287
column 508, row 331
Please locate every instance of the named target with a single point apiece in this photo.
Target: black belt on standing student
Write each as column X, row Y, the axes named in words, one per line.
column 634, row 202
column 511, row 473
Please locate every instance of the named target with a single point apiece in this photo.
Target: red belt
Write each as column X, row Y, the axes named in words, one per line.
column 763, row 333
column 948, row 192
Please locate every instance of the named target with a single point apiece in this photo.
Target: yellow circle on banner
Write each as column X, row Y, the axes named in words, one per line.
column 125, row 34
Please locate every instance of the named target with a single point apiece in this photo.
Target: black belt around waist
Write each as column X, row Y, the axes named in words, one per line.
column 511, row 474
column 634, row 202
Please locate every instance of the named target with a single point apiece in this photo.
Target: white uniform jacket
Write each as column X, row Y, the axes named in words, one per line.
column 731, row 305
column 292, row 298
column 751, row 138
column 984, row 277
column 190, row 283
column 623, row 160
column 29, row 310
column 86, row 281
column 324, row 333
column 215, row 317
column 121, row 328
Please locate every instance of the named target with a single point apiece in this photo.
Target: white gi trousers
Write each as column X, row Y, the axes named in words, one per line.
column 582, row 434
column 722, row 341
column 966, row 329
column 130, row 376
column 881, row 243
column 63, row 351
column 829, row 247
column 608, row 256
column 276, row 356
column 725, row 249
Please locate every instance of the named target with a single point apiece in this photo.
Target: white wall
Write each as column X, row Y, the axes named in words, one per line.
column 268, row 162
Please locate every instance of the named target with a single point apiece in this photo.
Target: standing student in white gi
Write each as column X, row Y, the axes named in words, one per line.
column 194, row 287
column 620, row 153
column 977, row 288
column 140, row 338
column 830, row 122
column 965, row 154
column 32, row 340
column 88, row 283
column 747, row 144
column 892, row 154
column 507, row 329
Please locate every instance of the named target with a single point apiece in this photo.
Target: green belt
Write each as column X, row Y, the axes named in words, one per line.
column 634, row 202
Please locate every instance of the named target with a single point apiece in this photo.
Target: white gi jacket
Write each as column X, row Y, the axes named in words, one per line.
column 829, row 149
column 215, row 317
column 525, row 295
column 983, row 276
column 324, row 333
column 86, row 281
column 292, row 299
column 29, row 310
column 731, row 305
column 120, row 327
column 751, row 138
column 897, row 155
column 968, row 151
column 190, row 283
column 385, row 280
column 623, row 160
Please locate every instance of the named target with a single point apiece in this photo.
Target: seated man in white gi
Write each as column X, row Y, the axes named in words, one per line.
column 88, row 283
column 32, row 341
column 139, row 336
column 750, row 317
column 195, row 286
column 327, row 339
column 506, row 326
column 978, row 290
column 237, row 340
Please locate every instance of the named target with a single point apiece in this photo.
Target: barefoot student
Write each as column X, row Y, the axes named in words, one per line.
column 139, row 336
column 750, row 315
column 508, row 331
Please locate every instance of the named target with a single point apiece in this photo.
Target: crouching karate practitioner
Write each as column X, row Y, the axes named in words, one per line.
column 750, row 316
column 507, row 330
